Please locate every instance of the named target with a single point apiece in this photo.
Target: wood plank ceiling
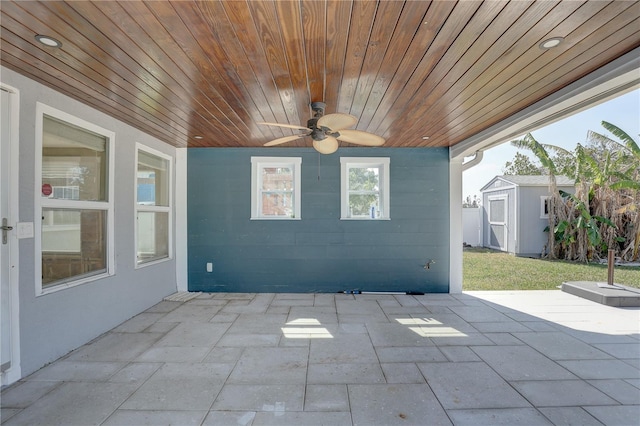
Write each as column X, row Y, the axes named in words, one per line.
column 407, row 70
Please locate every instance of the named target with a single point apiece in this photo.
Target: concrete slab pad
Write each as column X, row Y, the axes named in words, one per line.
column 616, row 295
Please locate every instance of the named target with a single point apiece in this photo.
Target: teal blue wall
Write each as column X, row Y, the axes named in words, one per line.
column 319, row 253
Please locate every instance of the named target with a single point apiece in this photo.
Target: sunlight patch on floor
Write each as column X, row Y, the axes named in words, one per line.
column 429, row 327
column 306, row 328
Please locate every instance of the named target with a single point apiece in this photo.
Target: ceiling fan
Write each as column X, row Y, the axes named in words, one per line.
column 327, row 130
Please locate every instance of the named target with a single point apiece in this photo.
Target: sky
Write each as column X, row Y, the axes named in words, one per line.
column 622, row 111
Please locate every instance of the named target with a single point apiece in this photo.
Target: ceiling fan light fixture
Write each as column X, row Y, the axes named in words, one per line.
column 326, row 130
column 550, row 43
column 48, row 41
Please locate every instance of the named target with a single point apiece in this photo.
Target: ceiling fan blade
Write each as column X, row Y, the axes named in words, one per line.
column 329, row 145
column 359, row 137
column 285, row 139
column 337, row 121
column 288, row 126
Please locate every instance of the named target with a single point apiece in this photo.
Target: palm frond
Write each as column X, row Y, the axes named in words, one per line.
column 627, row 140
column 625, row 184
column 530, row 143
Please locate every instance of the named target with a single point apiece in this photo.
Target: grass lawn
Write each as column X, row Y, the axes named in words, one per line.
column 486, row 269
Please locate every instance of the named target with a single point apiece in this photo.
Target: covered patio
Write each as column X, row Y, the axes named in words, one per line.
column 543, row 357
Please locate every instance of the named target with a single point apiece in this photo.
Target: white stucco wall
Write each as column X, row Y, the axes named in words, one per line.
column 53, row 324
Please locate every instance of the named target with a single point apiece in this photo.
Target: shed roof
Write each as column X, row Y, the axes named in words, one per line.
column 528, row 180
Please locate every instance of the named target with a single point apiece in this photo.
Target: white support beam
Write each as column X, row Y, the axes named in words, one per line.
column 455, row 225
column 181, row 219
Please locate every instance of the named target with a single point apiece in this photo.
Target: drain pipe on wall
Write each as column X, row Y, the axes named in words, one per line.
column 475, row 160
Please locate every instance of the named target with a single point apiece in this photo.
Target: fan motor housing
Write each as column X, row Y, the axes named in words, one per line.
column 317, row 134
column 318, row 107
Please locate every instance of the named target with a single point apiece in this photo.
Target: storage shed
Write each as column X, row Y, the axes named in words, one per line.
column 515, row 212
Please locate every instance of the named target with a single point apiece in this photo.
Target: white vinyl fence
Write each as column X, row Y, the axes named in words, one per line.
column 472, row 226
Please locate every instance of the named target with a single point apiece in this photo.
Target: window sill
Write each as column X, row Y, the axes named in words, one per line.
column 152, row 262
column 275, row 218
column 365, row 218
column 71, row 284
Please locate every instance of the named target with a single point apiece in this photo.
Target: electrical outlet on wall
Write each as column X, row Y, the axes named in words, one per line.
column 209, row 267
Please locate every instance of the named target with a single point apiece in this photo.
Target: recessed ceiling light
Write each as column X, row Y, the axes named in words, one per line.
column 425, row 138
column 48, row 41
column 197, row 137
column 551, row 43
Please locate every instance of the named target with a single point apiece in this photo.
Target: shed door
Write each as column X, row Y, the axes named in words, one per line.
column 498, row 214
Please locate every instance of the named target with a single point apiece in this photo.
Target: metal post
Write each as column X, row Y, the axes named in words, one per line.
column 610, row 261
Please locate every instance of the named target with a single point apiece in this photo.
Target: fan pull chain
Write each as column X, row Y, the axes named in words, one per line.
column 318, row 166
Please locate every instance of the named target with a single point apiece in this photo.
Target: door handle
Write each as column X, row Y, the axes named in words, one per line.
column 5, row 228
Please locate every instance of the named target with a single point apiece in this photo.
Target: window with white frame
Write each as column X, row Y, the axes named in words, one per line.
column 153, row 205
column 364, row 188
column 75, row 200
column 275, row 187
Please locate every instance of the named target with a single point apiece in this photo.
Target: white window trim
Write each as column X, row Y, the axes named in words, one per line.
column 345, row 164
column 144, row 208
column 543, row 201
column 259, row 162
column 40, row 203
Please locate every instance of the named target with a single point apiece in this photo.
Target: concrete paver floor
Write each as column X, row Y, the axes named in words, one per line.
column 534, row 357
